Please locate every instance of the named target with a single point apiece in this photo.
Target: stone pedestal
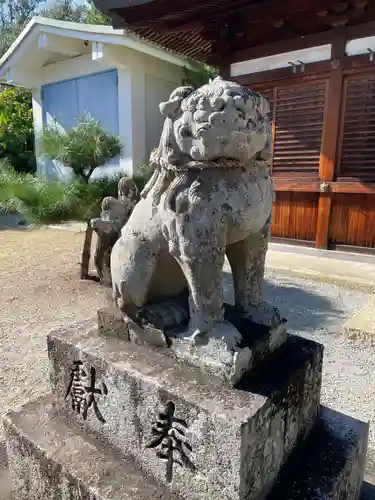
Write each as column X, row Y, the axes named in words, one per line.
column 125, row 421
column 234, row 348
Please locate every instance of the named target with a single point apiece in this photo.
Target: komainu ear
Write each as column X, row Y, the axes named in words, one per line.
column 170, row 107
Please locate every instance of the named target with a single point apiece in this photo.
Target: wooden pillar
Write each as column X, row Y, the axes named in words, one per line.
column 224, row 71
column 328, row 155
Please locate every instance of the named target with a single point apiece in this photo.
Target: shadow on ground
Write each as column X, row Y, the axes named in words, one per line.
column 305, row 305
column 11, row 221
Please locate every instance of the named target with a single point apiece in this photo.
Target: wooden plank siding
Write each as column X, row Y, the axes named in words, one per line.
column 353, row 220
column 295, row 215
column 323, row 125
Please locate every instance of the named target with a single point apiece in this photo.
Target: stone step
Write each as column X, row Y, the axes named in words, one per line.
column 330, row 464
column 51, row 460
column 190, row 431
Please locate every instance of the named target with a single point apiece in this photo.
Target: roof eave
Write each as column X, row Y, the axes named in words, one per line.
column 105, row 34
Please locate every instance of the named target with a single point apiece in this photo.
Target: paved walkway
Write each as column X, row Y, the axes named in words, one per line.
column 342, row 268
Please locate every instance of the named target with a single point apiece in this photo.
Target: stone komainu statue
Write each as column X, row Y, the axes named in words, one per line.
column 210, row 196
column 114, row 215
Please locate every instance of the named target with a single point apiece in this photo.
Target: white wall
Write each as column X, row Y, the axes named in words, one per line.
column 151, row 82
column 157, row 91
column 161, row 79
column 143, row 83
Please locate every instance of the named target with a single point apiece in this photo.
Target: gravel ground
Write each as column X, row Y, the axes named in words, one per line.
column 40, row 290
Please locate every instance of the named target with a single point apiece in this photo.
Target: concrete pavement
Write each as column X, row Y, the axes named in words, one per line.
column 356, row 271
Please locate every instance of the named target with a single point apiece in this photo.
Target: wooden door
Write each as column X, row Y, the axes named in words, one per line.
column 352, row 221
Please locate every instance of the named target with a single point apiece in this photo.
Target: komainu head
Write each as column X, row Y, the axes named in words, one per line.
column 219, row 120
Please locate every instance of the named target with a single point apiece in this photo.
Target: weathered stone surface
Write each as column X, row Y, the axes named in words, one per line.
column 210, row 196
column 51, row 460
column 231, row 348
column 5, row 482
column 228, row 351
column 111, row 322
column 329, row 465
column 146, row 335
column 237, row 440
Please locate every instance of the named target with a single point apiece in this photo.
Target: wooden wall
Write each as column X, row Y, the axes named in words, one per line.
column 353, row 220
column 295, row 215
column 323, row 123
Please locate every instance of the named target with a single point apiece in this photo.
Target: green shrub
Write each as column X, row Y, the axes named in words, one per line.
column 43, row 202
column 17, row 129
column 143, row 174
column 26, row 195
column 88, row 197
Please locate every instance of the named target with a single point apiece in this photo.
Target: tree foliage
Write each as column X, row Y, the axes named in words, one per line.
column 65, row 10
column 94, row 16
column 15, row 14
column 17, row 129
column 16, row 120
column 198, row 75
column 84, row 147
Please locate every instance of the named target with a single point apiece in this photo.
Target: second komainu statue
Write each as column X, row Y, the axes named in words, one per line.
column 114, row 214
column 210, row 196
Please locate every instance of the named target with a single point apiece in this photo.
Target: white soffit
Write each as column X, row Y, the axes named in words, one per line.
column 360, row 46
column 305, row 56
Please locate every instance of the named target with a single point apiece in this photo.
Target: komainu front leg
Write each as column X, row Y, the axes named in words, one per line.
column 203, row 274
column 199, row 248
column 247, row 259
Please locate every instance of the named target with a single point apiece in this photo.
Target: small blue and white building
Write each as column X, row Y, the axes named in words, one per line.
column 75, row 69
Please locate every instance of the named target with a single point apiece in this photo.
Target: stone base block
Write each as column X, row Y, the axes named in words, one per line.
column 329, row 465
column 50, row 460
column 195, row 435
column 111, row 322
